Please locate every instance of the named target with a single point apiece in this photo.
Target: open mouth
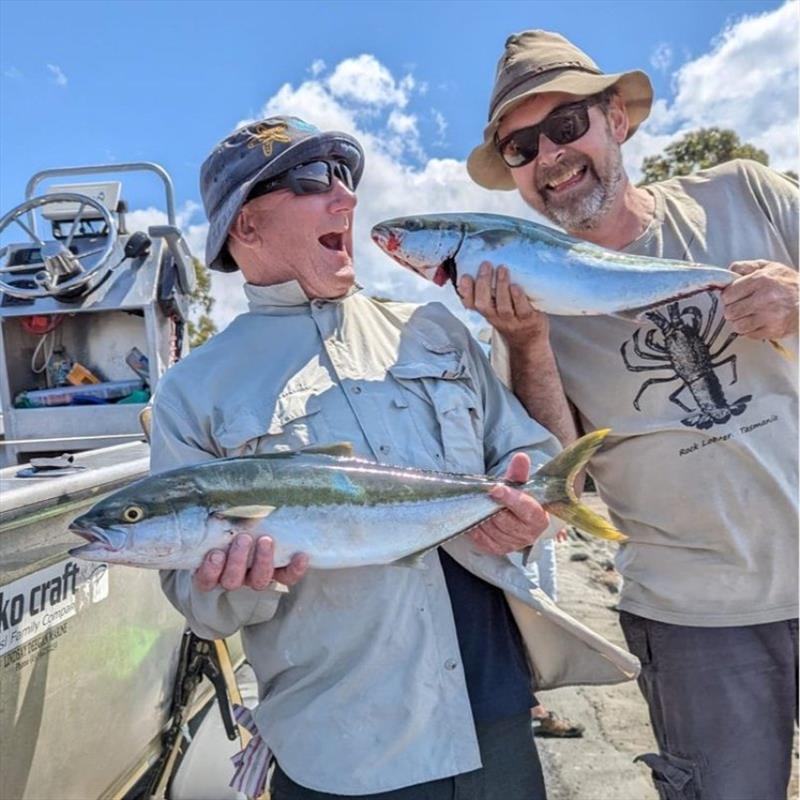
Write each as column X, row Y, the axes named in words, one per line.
column 98, row 538
column 567, row 180
column 333, row 241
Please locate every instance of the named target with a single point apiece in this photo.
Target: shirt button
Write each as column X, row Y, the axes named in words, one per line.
column 356, row 390
column 384, row 448
column 450, row 664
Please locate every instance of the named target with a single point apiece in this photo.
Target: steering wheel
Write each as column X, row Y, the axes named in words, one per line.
column 61, row 269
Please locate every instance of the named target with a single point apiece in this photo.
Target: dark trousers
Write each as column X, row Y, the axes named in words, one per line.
column 511, row 771
column 723, row 705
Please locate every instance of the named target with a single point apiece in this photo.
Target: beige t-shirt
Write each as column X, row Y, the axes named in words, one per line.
column 701, row 470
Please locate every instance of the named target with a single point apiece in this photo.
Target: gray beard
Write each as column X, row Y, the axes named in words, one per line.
column 585, row 213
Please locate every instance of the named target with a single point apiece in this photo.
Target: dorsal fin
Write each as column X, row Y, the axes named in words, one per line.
column 340, row 449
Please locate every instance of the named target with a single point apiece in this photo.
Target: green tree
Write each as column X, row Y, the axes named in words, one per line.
column 201, row 326
column 698, row 149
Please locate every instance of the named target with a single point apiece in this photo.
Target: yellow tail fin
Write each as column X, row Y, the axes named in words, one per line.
column 561, row 499
column 781, row 350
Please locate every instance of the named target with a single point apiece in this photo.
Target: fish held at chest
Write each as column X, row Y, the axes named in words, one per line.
column 341, row 511
column 560, row 274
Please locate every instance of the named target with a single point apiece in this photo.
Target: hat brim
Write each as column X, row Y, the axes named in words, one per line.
column 484, row 164
column 326, row 144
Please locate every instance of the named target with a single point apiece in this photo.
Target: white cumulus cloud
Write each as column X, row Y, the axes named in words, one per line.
column 57, row 75
column 748, row 82
column 440, row 122
column 366, row 81
column 661, row 57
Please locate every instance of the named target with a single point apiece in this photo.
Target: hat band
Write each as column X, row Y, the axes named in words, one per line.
column 516, row 84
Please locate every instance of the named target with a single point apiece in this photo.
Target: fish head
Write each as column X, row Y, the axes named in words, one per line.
column 426, row 244
column 138, row 526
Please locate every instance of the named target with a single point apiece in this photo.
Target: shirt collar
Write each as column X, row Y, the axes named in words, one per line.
column 284, row 295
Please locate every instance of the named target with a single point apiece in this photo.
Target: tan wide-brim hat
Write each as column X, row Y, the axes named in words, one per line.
column 539, row 61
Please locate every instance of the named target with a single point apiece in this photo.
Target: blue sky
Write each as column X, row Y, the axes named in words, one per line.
column 88, row 82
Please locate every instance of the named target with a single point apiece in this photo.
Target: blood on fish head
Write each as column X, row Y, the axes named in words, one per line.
column 424, row 244
column 386, row 238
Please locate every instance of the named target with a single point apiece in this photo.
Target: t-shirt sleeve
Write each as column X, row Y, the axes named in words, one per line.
column 778, row 196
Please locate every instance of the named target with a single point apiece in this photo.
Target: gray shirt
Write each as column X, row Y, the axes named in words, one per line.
column 360, row 675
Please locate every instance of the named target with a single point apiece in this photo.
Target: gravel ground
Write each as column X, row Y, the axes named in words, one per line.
column 600, row 765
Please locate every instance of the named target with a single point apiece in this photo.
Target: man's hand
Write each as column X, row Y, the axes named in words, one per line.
column 509, row 311
column 763, row 303
column 230, row 569
column 521, row 522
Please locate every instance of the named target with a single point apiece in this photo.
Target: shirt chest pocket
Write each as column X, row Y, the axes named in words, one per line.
column 295, row 422
column 438, row 393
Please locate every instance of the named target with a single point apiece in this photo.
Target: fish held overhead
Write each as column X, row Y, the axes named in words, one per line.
column 560, row 274
column 341, row 511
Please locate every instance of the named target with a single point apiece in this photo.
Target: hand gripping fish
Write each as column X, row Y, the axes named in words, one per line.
column 341, row 511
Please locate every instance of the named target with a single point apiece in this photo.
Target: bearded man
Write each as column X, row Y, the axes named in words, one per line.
column 701, row 468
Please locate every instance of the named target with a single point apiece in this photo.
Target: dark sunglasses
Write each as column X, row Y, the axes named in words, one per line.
column 314, row 177
column 563, row 125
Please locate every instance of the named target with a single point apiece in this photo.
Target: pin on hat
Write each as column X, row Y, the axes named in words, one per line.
column 257, row 152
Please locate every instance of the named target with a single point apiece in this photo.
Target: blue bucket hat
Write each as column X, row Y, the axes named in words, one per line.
column 257, row 152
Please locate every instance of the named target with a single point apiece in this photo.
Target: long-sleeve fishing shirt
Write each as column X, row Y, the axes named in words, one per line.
column 361, row 681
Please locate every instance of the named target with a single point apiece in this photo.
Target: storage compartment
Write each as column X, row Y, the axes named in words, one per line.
column 99, row 341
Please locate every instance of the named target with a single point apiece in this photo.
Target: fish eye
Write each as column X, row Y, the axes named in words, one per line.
column 133, row 514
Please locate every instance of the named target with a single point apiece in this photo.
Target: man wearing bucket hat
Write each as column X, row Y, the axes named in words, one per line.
column 701, row 470
column 379, row 681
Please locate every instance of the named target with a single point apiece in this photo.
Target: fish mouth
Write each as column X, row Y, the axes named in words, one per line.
column 391, row 242
column 100, row 540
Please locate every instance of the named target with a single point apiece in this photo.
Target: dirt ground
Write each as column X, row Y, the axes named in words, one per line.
column 600, row 765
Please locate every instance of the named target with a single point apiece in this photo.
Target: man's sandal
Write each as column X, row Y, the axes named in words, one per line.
column 553, row 726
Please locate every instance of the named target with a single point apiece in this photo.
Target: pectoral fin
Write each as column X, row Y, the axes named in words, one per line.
column 247, row 512
column 340, row 449
column 414, row 561
column 636, row 314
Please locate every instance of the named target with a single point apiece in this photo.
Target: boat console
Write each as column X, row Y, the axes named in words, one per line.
column 91, row 313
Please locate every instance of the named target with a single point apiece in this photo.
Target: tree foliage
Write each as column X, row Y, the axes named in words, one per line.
column 201, row 327
column 697, row 150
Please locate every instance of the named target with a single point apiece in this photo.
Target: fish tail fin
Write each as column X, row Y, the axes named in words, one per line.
column 781, row 350
column 561, row 499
